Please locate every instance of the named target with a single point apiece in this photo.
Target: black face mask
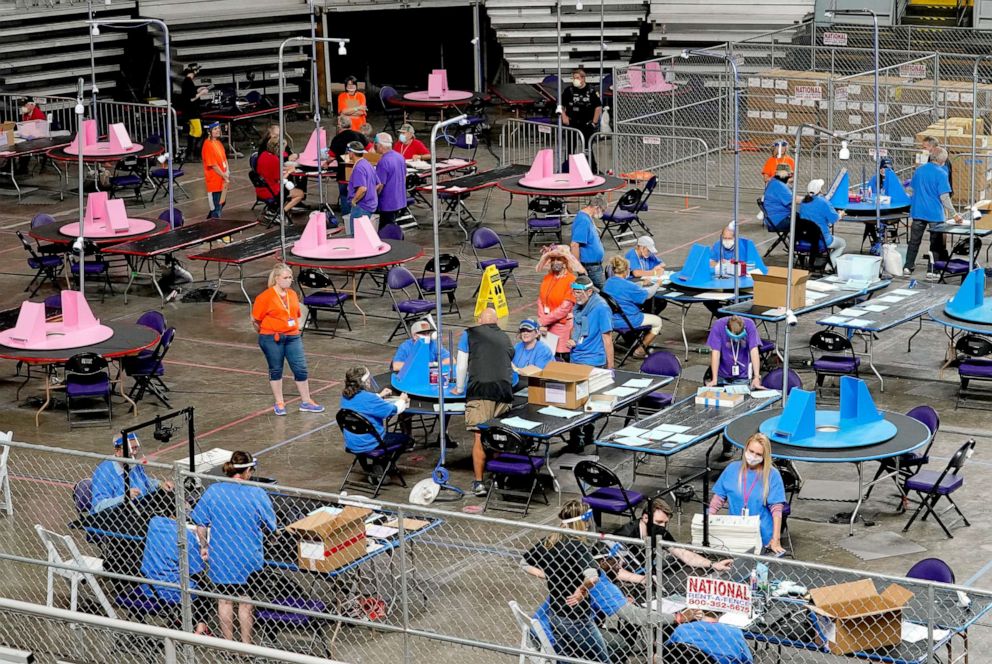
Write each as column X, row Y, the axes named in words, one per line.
column 782, row 178
column 654, row 530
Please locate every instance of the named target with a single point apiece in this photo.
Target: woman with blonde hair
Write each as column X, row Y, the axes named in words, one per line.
column 277, row 319
column 555, row 300
column 630, row 297
column 752, row 486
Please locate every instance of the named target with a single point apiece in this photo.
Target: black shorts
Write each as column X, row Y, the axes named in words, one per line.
column 249, row 588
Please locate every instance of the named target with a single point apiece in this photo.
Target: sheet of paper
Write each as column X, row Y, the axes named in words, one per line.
column 674, row 428
column 814, row 296
column 903, row 291
column 740, row 620
column 852, row 312
column 875, row 308
column 679, row 438
column 891, row 299
column 380, row 532
column 555, row 411
column 551, row 341
column 713, row 295
column 520, row 393
column 633, row 441
column 451, row 407
column 914, row 633
column 860, row 322
column 778, row 311
column 821, row 286
column 657, row 435
column 312, row 550
column 555, row 392
column 409, row 525
column 519, row 423
column 621, row 392
column 371, row 546
column 834, row 320
column 764, row 394
column 638, row 383
column 631, row 431
column 668, row 606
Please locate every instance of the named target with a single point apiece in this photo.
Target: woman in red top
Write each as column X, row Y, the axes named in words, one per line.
column 31, row 111
column 276, row 317
column 268, row 167
column 409, row 146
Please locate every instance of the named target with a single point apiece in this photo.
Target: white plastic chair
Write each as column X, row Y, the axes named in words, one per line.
column 6, row 502
column 533, row 638
column 62, row 550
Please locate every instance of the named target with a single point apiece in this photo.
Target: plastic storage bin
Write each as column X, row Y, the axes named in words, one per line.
column 859, row 268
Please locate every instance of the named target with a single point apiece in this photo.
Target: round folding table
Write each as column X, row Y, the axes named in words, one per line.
column 147, row 151
column 53, row 233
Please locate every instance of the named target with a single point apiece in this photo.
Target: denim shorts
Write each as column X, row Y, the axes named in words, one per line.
column 289, row 348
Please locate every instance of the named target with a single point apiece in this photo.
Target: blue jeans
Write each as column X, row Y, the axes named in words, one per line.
column 289, row 348
column 356, row 211
column 578, row 638
column 595, row 272
column 343, row 199
column 215, row 205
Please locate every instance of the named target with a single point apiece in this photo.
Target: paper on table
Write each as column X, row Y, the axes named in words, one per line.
column 860, row 322
column 834, row 320
column 813, row 295
column 713, row 295
column 764, row 394
column 657, row 434
column 551, row 341
column 633, row 441
column 555, row 411
column 637, row 382
column 674, row 428
column 914, row 633
column 679, row 438
column 631, row 431
column 519, row 423
column 903, row 291
column 875, row 308
column 891, row 299
column 668, row 606
column 852, row 311
column 451, row 407
column 740, row 620
column 820, row 286
column 778, row 311
column 621, row 392
column 380, row 532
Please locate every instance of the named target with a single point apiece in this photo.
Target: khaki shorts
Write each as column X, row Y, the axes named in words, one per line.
column 478, row 412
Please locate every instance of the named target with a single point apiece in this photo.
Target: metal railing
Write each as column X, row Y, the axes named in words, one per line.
column 681, row 164
column 521, row 140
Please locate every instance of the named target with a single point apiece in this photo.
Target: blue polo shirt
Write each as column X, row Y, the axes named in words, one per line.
column 405, row 352
column 929, row 182
column 778, row 203
column 630, row 297
column 585, row 235
column 376, row 410
column 539, row 356
column 637, row 263
column 590, row 323
column 822, row 213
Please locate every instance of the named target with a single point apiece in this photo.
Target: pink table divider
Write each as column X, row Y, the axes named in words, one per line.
column 78, row 327
column 314, row 243
column 542, row 173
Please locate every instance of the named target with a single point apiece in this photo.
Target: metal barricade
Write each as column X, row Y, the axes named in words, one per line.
column 142, row 121
column 61, row 110
column 680, row 163
column 521, row 140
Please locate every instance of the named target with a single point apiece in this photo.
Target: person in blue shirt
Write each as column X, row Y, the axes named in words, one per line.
column 592, row 332
column 930, row 204
column 722, row 252
column 108, row 478
column 643, row 259
column 420, row 332
column 160, row 562
column 359, row 397
column 232, row 521
column 585, row 244
column 753, row 486
column 778, row 198
column 529, row 351
column 818, row 209
column 630, row 297
column 724, row 644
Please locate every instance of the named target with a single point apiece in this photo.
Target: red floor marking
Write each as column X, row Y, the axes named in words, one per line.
column 229, row 369
column 37, row 480
column 228, row 344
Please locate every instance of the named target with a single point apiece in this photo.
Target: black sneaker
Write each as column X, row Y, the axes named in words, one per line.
column 450, row 444
column 479, row 489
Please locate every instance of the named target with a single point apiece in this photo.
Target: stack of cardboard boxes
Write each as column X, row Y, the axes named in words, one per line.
column 955, row 134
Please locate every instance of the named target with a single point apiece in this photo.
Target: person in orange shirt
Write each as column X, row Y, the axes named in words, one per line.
column 216, row 174
column 780, row 155
column 276, row 317
column 555, row 300
column 351, row 103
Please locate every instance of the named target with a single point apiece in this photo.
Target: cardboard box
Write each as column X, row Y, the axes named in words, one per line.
column 328, row 542
column 769, row 289
column 559, row 384
column 7, row 138
column 719, row 398
column 600, row 403
column 854, row 616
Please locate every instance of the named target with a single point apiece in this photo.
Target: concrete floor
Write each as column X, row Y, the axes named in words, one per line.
column 216, row 366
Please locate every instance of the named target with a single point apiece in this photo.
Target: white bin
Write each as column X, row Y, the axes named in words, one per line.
column 859, row 268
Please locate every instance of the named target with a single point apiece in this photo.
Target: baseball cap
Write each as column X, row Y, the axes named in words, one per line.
column 814, row 186
column 212, row 125
column 582, row 282
column 529, row 324
column 356, row 147
column 648, row 242
column 131, row 437
column 421, row 326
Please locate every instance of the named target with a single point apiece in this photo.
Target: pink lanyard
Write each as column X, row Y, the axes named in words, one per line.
column 747, row 494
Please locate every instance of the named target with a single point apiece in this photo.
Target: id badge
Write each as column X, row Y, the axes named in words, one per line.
column 745, row 512
column 547, row 310
column 735, row 371
column 292, row 323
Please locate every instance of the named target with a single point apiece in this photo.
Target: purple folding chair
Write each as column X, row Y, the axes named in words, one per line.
column 931, row 569
column 323, row 296
column 486, row 238
column 272, row 622
column 82, row 495
column 391, row 232
column 147, row 371
column 911, row 462
column 87, row 381
column 42, row 219
column 378, row 463
column 409, row 309
column 609, row 495
column 773, row 380
column 512, row 462
column 931, row 486
column 153, row 319
column 972, row 351
column 837, row 356
column 956, row 268
column 660, row 363
column 618, row 221
column 450, row 268
column 97, row 267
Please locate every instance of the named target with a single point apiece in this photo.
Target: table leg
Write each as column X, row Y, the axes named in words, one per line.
column 861, row 496
column 354, row 298
column 685, row 339
column 134, row 406
column 869, row 348
column 48, row 400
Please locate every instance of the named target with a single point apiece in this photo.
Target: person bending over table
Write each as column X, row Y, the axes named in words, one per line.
column 409, row 146
column 276, row 317
column 753, row 486
column 930, row 145
column 267, row 166
column 555, row 300
column 160, row 562
column 723, row 644
column 643, row 259
column 352, row 105
column 930, row 204
column 421, row 332
column 631, row 297
column 362, row 187
column 339, row 148
column 733, row 343
column 232, row 521
column 358, row 395
column 585, row 242
column 108, row 479
column 485, row 356
column 216, row 172
column 391, row 171
column 816, row 208
column 581, row 108
column 529, row 351
column 780, row 155
column 778, row 198
column 566, row 563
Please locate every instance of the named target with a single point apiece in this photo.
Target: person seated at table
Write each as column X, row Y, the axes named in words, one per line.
column 352, row 105
column 753, row 486
column 409, row 146
column 591, row 341
column 108, row 479
column 722, row 251
column 780, row 155
column 643, row 259
column 555, row 301
column 778, row 198
column 734, row 358
column 724, row 644
column 339, row 148
column 631, row 297
column 816, row 208
column 267, row 167
column 530, row 351
column 160, row 562
column 359, row 395
column 31, row 111
column 273, row 131
column 420, row 332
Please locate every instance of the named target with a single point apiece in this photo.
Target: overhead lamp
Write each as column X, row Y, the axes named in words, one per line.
column 844, row 153
column 341, row 49
column 95, row 30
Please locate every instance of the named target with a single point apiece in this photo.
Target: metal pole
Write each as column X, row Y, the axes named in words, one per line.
column 602, row 47
column 477, row 47
column 316, row 104
column 878, row 135
column 559, row 109
column 974, row 157
column 80, row 241
column 93, row 88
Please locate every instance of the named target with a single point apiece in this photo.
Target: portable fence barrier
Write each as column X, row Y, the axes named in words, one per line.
column 680, row 164
column 521, row 140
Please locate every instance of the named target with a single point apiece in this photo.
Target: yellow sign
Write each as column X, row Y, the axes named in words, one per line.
column 491, row 293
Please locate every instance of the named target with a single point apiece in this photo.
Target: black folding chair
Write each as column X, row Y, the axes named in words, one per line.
column 625, row 213
column 932, row 486
column 324, row 296
column 46, row 267
column 810, row 252
column 378, row 463
column 147, row 371
column 781, row 236
column 629, row 336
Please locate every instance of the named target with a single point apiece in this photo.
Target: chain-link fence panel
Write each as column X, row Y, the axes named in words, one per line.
column 521, row 140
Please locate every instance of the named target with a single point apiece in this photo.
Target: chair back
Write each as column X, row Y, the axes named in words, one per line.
column 499, row 439
column 973, row 345
column 931, row 569
column 592, row 473
column 386, row 94
column 85, row 364
column 391, row 232
column 961, row 247
column 177, row 219
column 259, row 182
column 27, row 246
column 61, row 549
column 42, row 219
column 153, row 319
column 445, row 264
column 82, row 495
column 765, row 219
column 253, row 96
column 807, row 231
column 617, row 311
column 773, row 380
column 485, row 238
column 253, row 162
column 630, row 201
column 310, row 278
column 829, row 341
column 928, row 416
column 662, row 363
column 400, row 278
column 533, row 638
column 155, row 361
column 957, row 461
column 357, row 424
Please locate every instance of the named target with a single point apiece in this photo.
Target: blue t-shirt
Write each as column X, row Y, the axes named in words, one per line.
column 725, row 644
column 729, row 486
column 629, row 296
column 539, row 356
column 238, row 517
column 590, row 323
column 637, row 263
column 604, row 599
column 405, row 352
column 160, row 560
column 108, row 484
column 822, row 213
column 376, row 410
column 363, row 175
column 929, row 182
column 746, row 250
column 584, row 234
column 778, row 203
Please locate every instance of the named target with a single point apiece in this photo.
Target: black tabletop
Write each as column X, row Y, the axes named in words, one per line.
column 36, row 145
column 180, row 238
column 479, row 180
column 910, row 434
column 517, row 93
column 147, row 150
column 886, row 213
column 128, row 339
column 400, row 251
column 53, row 233
column 512, row 185
column 252, row 248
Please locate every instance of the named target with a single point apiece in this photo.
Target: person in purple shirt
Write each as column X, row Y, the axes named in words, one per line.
column 362, row 187
column 733, row 343
column 391, row 171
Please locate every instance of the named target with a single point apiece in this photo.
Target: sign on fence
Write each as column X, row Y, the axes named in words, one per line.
column 835, row 39
column 544, row 129
column 814, row 92
column 913, row 70
column 651, row 140
column 717, row 595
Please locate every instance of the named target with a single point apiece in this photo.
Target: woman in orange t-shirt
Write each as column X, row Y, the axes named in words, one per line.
column 276, row 317
column 351, row 103
column 780, row 155
column 555, row 300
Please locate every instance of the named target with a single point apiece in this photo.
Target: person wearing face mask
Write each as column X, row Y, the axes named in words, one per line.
column 818, row 209
column 780, row 155
column 409, row 146
column 585, row 242
column 643, row 259
column 359, row 396
column 31, row 111
column 630, row 297
column 753, row 486
column 930, row 145
column 420, row 332
column 351, row 104
column 733, row 343
column 108, row 478
column 778, row 197
column 722, row 251
column 529, row 351
column 592, row 334
column 581, row 108
column 339, row 148
column 391, row 171
column 555, row 300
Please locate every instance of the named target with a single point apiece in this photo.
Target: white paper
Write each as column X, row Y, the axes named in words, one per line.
column 657, row 435
column 903, row 291
column 371, row 546
column 380, row 532
column 852, row 312
column 555, row 411
column 678, row 439
column 764, row 394
column 834, row 320
column 638, row 383
column 621, row 392
column 740, row 620
column 668, row 606
column 713, row 295
column 914, row 633
column 551, row 341
column 820, row 286
column 813, row 296
column 451, row 407
column 631, row 431
column 860, row 322
column 312, row 550
column 891, row 299
column 519, row 423
column 674, row 428
column 874, row 308
column 632, row 441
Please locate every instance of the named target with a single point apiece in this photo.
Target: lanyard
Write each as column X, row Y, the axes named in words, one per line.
column 747, row 494
column 284, row 303
column 735, row 348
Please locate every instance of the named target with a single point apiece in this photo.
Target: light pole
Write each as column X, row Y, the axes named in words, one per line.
column 170, row 150
column 93, row 88
column 477, row 47
column 80, row 241
column 340, row 41
column 560, row 109
column 974, row 158
column 315, row 101
column 732, row 62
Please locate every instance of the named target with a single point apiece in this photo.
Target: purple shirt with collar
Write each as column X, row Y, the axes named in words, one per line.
column 391, row 170
column 733, row 352
column 363, row 175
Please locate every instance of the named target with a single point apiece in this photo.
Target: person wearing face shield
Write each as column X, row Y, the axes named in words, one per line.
column 421, row 332
column 108, row 478
column 778, row 198
column 752, row 486
column 780, row 155
column 581, row 108
column 352, row 105
column 555, row 300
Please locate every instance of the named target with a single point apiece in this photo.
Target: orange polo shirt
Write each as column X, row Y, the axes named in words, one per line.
column 273, row 313
column 213, row 154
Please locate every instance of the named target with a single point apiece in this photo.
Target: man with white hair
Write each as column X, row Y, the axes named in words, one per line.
column 818, row 209
column 391, row 170
column 931, row 204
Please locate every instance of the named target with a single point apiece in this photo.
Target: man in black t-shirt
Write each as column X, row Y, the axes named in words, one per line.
column 581, row 108
column 339, row 148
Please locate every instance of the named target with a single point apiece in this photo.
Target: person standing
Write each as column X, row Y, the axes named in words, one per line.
column 581, row 108
column 930, row 204
column 216, row 173
column 339, row 148
column 362, row 186
column 190, row 104
column 276, row 317
column 485, row 354
column 586, row 244
column 780, row 155
column 930, row 145
column 555, row 300
column 352, row 105
column 391, row 171
column 592, row 333
column 231, row 523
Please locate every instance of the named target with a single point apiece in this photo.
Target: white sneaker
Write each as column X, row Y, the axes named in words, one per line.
column 906, row 272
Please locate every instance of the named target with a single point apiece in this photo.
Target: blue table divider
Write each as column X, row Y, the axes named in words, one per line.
column 415, row 376
column 697, row 274
column 842, row 186
column 969, row 302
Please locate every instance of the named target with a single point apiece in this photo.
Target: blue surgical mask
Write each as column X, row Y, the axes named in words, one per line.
column 737, row 336
column 404, row 139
